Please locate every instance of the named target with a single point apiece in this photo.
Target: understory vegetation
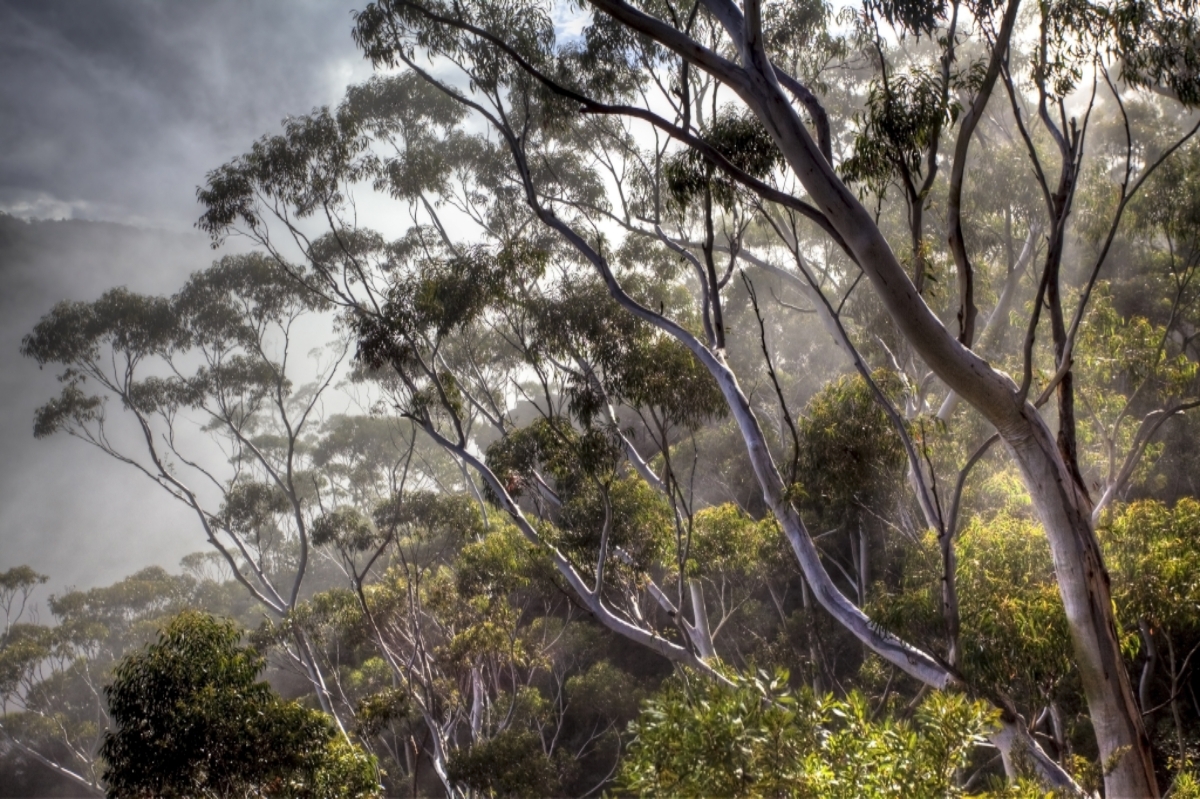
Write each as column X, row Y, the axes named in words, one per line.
column 737, row 399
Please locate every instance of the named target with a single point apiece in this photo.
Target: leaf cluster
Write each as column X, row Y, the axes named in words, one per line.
column 757, row 738
column 191, row 720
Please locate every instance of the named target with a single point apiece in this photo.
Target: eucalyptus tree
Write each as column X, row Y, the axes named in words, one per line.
column 1139, row 359
column 32, row 660
column 469, row 646
column 550, row 463
column 1153, row 550
column 290, row 498
column 610, row 161
column 52, row 676
column 215, row 358
column 191, row 719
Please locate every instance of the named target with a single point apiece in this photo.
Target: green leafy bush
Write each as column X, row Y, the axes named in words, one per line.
column 757, row 738
column 190, row 720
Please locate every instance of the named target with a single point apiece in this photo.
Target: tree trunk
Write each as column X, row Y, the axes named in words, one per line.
column 864, row 564
column 1176, row 716
column 704, row 643
column 1148, row 669
column 810, row 634
column 1063, row 510
column 1084, row 585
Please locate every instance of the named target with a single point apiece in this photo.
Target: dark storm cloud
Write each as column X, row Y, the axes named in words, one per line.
column 117, row 108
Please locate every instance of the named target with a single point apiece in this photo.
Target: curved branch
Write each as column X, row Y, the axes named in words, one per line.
column 734, row 23
column 590, row 598
column 765, row 190
column 989, row 339
column 78, row 779
column 966, row 280
column 1146, row 431
column 911, row 660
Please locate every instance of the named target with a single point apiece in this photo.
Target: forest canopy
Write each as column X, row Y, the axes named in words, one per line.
column 750, row 398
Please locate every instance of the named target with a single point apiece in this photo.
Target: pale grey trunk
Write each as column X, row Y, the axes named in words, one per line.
column 703, row 637
column 1064, row 513
column 1059, row 730
column 818, row 684
column 992, row 393
column 864, row 565
column 1020, row 754
column 1148, row 669
column 1084, row 586
column 477, row 699
column 76, row 779
column 324, row 698
column 437, row 757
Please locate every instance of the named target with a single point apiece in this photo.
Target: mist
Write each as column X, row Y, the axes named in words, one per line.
column 111, row 113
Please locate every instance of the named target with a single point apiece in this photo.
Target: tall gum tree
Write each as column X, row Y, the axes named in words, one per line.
column 218, row 349
column 562, row 116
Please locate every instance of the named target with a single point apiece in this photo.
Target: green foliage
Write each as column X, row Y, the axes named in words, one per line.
column 1126, row 367
column 640, row 520
column 1159, row 43
column 449, row 327
column 406, row 106
column 913, row 16
column 430, row 516
column 850, row 453
column 16, row 580
column 222, row 314
column 603, row 62
column 1171, row 204
column 377, row 710
column 570, row 457
column 51, row 674
column 1124, row 352
column 74, row 334
column 497, row 564
column 742, row 140
column 799, row 34
column 225, row 303
column 1185, row 786
column 903, row 117
column 631, row 360
column 24, row 647
column 1154, row 558
column 1012, row 615
column 1012, row 619
column 604, row 691
column 582, row 467
column 757, row 738
column 127, row 611
column 445, row 297
column 346, row 526
column 363, row 457
column 725, row 539
column 130, row 322
column 71, row 407
column 190, row 720
column 511, row 764
column 249, row 508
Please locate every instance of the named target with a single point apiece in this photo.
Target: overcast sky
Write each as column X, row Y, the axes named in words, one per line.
column 114, row 110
